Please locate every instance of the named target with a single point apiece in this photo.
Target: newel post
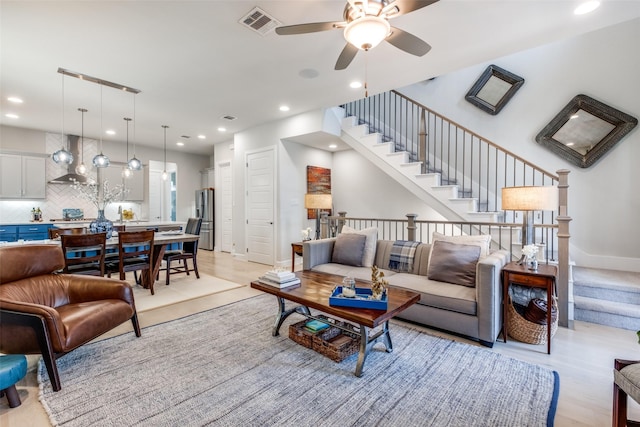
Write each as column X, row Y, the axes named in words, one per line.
column 411, row 227
column 422, row 147
column 565, row 285
column 341, row 221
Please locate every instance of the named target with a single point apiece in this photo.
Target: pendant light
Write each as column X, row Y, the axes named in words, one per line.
column 81, row 169
column 101, row 161
column 134, row 164
column 126, row 171
column 164, row 172
column 62, row 155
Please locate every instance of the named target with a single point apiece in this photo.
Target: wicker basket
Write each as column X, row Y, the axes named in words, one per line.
column 521, row 329
column 301, row 335
column 337, row 344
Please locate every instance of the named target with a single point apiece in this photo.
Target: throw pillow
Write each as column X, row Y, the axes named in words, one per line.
column 453, row 263
column 348, row 249
column 481, row 240
column 370, row 244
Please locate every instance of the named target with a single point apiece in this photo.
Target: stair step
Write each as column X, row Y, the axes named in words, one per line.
column 610, row 285
column 610, row 313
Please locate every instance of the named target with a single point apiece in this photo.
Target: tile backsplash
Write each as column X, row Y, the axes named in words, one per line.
column 60, row 196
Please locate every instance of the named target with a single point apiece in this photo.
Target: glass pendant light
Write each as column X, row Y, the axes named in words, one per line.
column 164, row 172
column 134, row 164
column 81, row 169
column 101, row 161
column 62, row 155
column 126, row 170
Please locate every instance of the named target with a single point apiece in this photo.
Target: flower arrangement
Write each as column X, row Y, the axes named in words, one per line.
column 378, row 284
column 530, row 251
column 306, row 234
column 100, row 195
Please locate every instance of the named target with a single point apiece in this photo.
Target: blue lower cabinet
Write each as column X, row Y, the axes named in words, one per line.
column 34, row 232
column 8, row 233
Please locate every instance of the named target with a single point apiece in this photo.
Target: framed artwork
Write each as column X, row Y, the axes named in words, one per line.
column 495, row 87
column 584, row 130
column 318, row 182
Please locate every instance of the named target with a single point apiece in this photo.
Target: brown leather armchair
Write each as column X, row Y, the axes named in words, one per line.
column 53, row 314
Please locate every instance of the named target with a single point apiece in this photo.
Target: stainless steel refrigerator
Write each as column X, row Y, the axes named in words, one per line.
column 204, row 210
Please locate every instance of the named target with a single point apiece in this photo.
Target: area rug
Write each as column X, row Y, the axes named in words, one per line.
column 181, row 288
column 224, row 368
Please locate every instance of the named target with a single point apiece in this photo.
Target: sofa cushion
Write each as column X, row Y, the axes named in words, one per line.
column 361, row 273
column 370, row 243
column 456, row 298
column 481, row 240
column 453, row 263
column 348, row 249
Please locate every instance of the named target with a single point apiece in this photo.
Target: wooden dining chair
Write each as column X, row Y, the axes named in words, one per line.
column 84, row 253
column 135, row 253
column 55, row 232
column 189, row 251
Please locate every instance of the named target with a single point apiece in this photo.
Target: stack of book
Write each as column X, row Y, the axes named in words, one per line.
column 279, row 279
column 316, row 326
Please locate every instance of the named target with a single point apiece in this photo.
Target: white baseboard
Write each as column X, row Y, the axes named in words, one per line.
column 583, row 259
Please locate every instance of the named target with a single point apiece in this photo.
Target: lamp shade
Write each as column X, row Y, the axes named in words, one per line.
column 317, row 201
column 367, row 32
column 531, row 198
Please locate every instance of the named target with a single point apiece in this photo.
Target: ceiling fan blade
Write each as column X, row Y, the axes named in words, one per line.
column 346, row 56
column 408, row 42
column 402, row 7
column 312, row 27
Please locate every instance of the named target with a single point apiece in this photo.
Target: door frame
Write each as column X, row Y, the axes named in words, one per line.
column 274, row 151
column 219, row 207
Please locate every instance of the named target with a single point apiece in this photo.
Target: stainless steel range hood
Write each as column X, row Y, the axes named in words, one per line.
column 72, row 177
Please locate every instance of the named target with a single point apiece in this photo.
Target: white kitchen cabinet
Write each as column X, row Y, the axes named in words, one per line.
column 208, row 178
column 22, row 177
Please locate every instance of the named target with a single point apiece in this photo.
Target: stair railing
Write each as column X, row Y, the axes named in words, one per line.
column 479, row 167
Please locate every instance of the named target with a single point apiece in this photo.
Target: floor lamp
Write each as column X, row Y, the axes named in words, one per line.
column 529, row 199
column 317, row 202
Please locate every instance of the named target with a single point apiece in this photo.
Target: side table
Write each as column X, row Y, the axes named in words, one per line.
column 296, row 249
column 543, row 277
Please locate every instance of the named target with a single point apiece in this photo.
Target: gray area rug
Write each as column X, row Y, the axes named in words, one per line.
column 222, row 367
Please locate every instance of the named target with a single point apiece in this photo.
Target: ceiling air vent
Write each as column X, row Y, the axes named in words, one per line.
column 258, row 21
column 230, row 118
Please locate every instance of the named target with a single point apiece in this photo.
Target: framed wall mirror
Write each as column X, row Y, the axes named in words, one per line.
column 585, row 130
column 495, row 87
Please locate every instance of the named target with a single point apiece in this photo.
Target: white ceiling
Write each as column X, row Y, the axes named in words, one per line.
column 194, row 62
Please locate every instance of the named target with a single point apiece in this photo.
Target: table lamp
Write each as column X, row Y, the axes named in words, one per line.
column 317, row 202
column 529, row 199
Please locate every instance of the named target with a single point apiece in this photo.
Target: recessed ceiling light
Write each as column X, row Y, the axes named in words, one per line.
column 110, row 132
column 14, row 99
column 12, row 116
column 284, row 108
column 221, row 129
column 355, row 85
column 180, row 144
column 570, row 144
column 586, row 7
column 202, row 137
column 332, row 146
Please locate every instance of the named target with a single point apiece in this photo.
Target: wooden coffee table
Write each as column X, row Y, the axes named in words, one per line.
column 314, row 292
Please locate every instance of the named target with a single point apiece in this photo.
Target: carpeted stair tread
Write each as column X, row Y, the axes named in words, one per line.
column 621, row 280
column 609, row 313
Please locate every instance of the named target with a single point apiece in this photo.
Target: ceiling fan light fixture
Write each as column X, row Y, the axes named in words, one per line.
column 367, row 32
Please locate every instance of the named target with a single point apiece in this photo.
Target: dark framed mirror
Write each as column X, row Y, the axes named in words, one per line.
column 495, row 87
column 585, row 130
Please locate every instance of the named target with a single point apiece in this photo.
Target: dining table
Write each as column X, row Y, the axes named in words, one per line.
column 161, row 240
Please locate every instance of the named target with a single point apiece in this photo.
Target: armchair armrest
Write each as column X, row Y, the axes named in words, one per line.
column 91, row 288
column 489, row 294
column 316, row 252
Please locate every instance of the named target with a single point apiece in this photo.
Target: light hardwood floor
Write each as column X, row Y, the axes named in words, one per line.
column 583, row 356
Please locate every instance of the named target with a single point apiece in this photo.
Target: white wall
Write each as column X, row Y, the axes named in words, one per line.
column 604, row 200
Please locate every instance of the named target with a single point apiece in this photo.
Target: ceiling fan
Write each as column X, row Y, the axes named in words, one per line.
column 366, row 24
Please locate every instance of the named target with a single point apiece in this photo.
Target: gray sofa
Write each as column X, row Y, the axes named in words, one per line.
column 474, row 312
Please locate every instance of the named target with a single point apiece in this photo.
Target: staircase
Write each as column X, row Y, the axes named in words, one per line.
column 607, row 297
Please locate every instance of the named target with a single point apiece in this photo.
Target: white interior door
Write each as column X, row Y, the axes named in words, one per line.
column 226, row 207
column 260, row 206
